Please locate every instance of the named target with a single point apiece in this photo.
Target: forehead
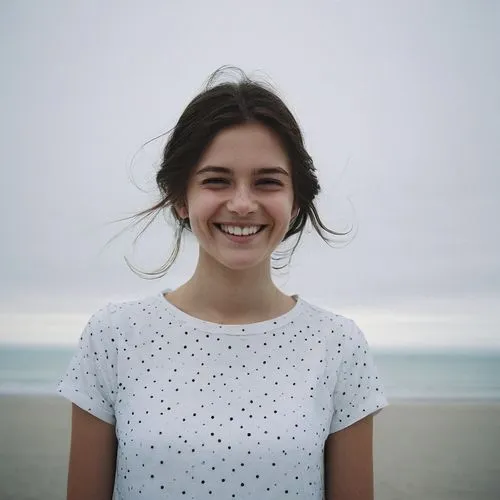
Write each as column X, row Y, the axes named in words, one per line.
column 245, row 146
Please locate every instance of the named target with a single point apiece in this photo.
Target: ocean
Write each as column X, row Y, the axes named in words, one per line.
column 407, row 376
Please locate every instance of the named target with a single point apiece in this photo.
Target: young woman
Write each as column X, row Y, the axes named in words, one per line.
column 226, row 387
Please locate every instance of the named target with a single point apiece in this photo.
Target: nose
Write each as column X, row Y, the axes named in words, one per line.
column 241, row 201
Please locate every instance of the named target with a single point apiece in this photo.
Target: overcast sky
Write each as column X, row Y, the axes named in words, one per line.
column 399, row 102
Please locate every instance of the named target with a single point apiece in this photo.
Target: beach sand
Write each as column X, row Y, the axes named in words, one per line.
column 422, row 451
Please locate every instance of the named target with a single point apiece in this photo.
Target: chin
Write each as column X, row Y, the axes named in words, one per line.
column 241, row 264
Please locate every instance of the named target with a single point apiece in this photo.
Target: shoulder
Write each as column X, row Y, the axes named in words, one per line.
column 117, row 317
column 340, row 330
column 323, row 318
column 130, row 308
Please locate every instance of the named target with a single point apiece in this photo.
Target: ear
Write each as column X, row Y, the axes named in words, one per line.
column 295, row 211
column 182, row 211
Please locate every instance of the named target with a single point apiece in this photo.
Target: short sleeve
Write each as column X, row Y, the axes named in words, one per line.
column 358, row 390
column 90, row 380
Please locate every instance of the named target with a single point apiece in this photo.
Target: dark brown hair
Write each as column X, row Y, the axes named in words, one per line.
column 217, row 107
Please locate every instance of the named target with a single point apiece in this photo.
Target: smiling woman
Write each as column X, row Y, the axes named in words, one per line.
column 271, row 151
column 226, row 387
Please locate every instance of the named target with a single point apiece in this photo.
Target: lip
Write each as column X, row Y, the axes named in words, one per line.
column 241, row 239
column 239, row 224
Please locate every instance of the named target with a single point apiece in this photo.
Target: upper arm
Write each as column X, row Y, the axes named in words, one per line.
column 92, row 457
column 349, row 462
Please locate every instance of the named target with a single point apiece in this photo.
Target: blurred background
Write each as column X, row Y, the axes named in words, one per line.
column 399, row 103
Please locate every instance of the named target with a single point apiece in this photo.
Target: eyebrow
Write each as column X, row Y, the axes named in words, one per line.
column 257, row 171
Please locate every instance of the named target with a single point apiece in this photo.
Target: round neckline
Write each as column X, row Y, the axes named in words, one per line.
column 232, row 329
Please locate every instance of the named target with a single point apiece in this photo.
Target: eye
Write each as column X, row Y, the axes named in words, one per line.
column 215, row 180
column 271, row 182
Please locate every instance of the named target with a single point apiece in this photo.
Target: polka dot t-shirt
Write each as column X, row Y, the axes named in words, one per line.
column 203, row 410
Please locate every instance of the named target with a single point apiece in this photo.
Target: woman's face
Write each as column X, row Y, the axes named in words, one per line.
column 240, row 197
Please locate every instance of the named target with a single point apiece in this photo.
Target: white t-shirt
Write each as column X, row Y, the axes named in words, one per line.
column 203, row 410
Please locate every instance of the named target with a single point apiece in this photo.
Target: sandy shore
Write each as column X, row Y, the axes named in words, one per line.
column 424, row 451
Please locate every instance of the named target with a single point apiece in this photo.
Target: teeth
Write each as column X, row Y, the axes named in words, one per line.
column 240, row 231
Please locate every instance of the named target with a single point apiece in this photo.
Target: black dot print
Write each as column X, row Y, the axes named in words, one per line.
column 205, row 410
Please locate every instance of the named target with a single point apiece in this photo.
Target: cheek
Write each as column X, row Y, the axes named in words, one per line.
column 196, row 201
column 202, row 207
column 281, row 208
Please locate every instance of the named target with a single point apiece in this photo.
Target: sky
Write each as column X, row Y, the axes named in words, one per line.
column 399, row 103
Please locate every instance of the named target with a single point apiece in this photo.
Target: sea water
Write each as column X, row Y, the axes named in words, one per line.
column 411, row 376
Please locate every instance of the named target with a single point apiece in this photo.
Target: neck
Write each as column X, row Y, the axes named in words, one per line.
column 219, row 294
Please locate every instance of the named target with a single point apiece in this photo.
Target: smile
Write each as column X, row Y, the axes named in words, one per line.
column 238, row 232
